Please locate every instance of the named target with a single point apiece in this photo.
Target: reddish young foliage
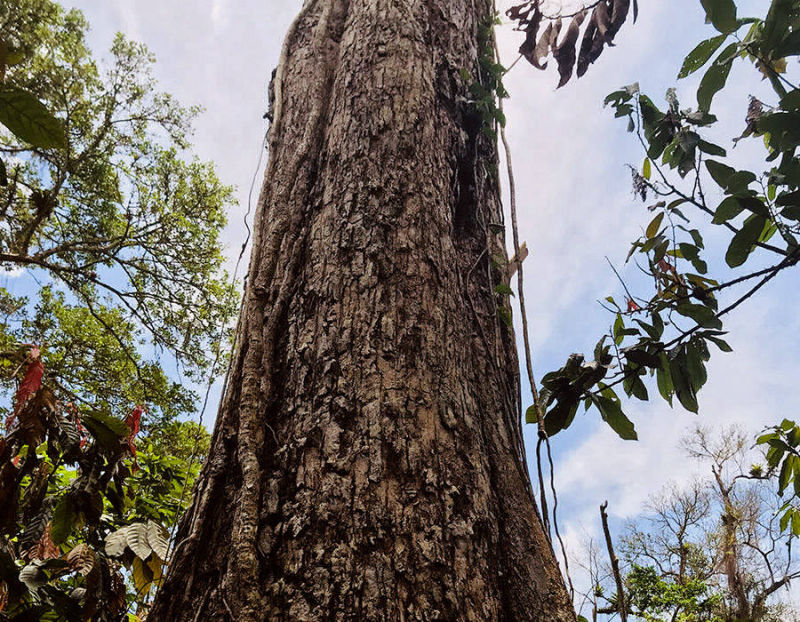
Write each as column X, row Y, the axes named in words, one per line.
column 133, row 421
column 82, row 430
column 632, row 306
column 31, row 383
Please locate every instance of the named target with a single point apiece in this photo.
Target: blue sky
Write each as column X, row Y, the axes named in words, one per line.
column 576, row 207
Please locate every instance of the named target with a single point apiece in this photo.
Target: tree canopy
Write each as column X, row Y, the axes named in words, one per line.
column 118, row 228
column 111, row 213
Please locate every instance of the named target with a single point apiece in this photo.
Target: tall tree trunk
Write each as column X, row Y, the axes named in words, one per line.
column 367, row 461
column 730, row 549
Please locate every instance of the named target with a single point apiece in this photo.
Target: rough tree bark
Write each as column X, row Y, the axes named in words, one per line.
column 367, row 461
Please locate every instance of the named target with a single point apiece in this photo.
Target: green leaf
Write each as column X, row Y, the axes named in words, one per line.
column 744, row 241
column 108, row 430
column 777, row 21
column 680, row 378
column 29, row 120
column 752, row 204
column 785, row 475
column 722, row 14
column 612, row 414
column 714, row 80
column 765, row 438
column 792, row 212
column 561, row 415
column 788, row 198
column 796, row 473
column 619, row 327
column 728, row 209
column 701, row 314
column 695, row 368
column 658, row 325
column 651, row 331
column 505, row 316
column 791, row 101
column 634, row 386
column 787, row 516
column 720, row 173
column 688, row 251
column 655, row 225
column 612, row 301
column 641, row 357
column 64, row 517
column 711, row 149
column 3, row 174
column 531, row 416
column 699, row 55
column 720, row 343
column 647, row 169
column 739, row 182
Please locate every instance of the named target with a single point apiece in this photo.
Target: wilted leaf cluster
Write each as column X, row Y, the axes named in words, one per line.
column 600, row 22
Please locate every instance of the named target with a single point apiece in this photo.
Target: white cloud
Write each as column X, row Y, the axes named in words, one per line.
column 11, row 273
column 217, row 11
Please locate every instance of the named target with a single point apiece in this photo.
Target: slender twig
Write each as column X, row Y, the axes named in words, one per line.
column 528, row 357
column 523, row 314
column 511, row 66
column 770, row 273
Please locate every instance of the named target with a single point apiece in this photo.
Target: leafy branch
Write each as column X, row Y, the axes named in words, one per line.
column 666, row 334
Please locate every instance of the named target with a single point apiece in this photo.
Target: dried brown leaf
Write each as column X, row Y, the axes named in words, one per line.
column 46, row 549
column 587, row 45
column 82, row 559
column 528, row 47
column 618, row 16
column 520, row 12
column 565, row 52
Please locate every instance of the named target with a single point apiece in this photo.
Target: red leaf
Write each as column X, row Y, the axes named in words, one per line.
column 82, row 430
column 46, row 549
column 133, row 420
column 632, row 306
column 31, row 382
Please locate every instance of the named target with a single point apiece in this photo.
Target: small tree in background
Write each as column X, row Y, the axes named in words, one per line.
column 120, row 233
column 712, row 550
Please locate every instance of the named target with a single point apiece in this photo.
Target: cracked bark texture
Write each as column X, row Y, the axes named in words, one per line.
column 367, row 461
